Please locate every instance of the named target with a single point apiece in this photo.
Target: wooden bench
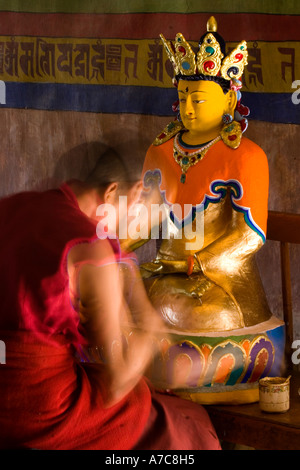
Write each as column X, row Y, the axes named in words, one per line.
column 247, row 424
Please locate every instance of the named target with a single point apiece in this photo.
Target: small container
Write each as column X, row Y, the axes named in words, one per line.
column 274, row 394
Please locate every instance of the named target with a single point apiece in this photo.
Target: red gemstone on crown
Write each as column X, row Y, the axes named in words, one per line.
column 208, row 65
column 238, row 57
column 182, row 49
column 162, row 136
column 232, row 137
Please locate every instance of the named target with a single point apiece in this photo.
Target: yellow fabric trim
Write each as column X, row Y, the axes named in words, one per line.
column 235, row 397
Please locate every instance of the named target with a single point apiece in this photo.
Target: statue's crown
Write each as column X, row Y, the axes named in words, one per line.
column 209, row 60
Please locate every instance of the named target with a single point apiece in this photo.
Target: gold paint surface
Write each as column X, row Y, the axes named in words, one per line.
column 225, row 291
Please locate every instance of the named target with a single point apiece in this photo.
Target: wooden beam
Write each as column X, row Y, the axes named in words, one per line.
column 283, row 227
column 287, row 296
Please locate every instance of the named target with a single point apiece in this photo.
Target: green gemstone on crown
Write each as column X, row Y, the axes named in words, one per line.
column 210, row 50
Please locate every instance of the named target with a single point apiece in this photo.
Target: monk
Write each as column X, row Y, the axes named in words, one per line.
column 63, row 295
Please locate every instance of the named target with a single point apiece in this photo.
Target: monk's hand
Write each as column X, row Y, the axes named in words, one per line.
column 125, row 375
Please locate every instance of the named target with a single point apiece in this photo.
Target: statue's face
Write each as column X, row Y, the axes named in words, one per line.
column 202, row 105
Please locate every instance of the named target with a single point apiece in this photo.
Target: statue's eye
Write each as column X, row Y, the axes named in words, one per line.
column 182, row 100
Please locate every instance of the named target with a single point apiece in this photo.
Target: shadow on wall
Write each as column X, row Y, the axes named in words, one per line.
column 78, row 161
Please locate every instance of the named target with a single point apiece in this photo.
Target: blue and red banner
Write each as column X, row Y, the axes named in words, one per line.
column 89, row 56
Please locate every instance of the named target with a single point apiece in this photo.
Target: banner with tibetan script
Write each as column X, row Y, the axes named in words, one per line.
column 106, row 57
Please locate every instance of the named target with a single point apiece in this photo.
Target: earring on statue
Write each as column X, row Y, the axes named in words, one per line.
column 231, row 133
column 227, row 118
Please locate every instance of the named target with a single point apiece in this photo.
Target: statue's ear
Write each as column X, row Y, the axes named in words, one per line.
column 231, row 101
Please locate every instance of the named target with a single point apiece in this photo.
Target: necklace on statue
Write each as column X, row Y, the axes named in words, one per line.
column 187, row 159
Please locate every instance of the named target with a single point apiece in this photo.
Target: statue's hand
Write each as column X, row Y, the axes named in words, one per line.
column 165, row 266
column 196, row 288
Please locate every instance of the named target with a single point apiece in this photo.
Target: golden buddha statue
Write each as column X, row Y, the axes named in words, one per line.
column 222, row 336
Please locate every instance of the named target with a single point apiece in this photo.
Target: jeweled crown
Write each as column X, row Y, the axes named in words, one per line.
column 209, row 60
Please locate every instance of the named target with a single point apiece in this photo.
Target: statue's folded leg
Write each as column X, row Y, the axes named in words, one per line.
column 193, row 303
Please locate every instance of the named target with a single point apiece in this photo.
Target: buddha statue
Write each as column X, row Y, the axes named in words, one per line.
column 221, row 336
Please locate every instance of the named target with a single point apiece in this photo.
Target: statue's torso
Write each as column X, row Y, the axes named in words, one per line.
column 227, row 294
